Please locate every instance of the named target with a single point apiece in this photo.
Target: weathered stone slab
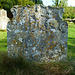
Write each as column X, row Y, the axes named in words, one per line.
column 37, row 33
column 3, row 19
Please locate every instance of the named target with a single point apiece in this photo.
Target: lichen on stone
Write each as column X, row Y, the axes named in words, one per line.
column 37, row 33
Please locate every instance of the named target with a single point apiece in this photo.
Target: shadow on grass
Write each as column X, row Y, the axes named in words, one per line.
column 71, row 52
column 71, row 44
column 71, row 48
column 3, row 45
column 71, row 40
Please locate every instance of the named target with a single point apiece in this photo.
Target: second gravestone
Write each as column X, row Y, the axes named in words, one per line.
column 37, row 33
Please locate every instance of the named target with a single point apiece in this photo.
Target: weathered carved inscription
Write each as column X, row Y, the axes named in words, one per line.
column 38, row 33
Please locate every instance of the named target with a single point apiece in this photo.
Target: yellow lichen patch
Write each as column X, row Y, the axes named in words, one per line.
column 25, row 26
column 48, row 49
column 48, row 44
column 47, row 41
column 51, row 46
column 43, row 55
column 30, row 56
column 59, row 52
column 43, row 32
column 31, row 34
column 14, row 41
column 54, row 45
column 40, row 50
column 53, row 36
column 35, row 56
column 38, row 45
column 34, row 45
column 37, row 18
column 18, row 20
column 48, row 30
column 20, row 43
column 57, row 57
column 54, row 16
column 31, row 28
column 24, row 33
column 21, row 27
column 32, row 22
column 52, row 41
column 49, row 37
column 45, row 48
column 28, row 8
column 35, row 27
column 19, row 10
column 8, row 43
column 62, row 48
column 20, row 53
column 33, row 51
column 47, row 54
column 41, row 27
column 55, row 41
column 43, row 37
column 24, row 46
column 25, row 11
column 51, row 32
column 10, row 49
column 65, row 37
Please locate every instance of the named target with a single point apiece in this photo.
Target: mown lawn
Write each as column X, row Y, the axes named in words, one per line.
column 71, row 41
column 18, row 66
column 3, row 41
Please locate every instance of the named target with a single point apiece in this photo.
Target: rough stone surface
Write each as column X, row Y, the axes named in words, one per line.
column 3, row 19
column 37, row 33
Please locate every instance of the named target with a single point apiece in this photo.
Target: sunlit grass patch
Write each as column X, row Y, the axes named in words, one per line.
column 3, row 41
column 71, row 41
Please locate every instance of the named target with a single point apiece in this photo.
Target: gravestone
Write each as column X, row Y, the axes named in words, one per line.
column 37, row 33
column 3, row 19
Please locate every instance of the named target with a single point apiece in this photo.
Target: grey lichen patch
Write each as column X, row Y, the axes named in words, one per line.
column 37, row 33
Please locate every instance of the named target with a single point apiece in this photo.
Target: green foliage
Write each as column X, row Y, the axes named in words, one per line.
column 60, row 3
column 25, row 2
column 69, row 12
column 7, row 4
column 37, row 1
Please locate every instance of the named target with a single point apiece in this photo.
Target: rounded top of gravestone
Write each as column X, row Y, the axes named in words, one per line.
column 36, row 8
column 50, row 7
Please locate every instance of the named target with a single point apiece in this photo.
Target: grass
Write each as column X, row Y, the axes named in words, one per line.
column 3, row 41
column 18, row 66
column 71, row 41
